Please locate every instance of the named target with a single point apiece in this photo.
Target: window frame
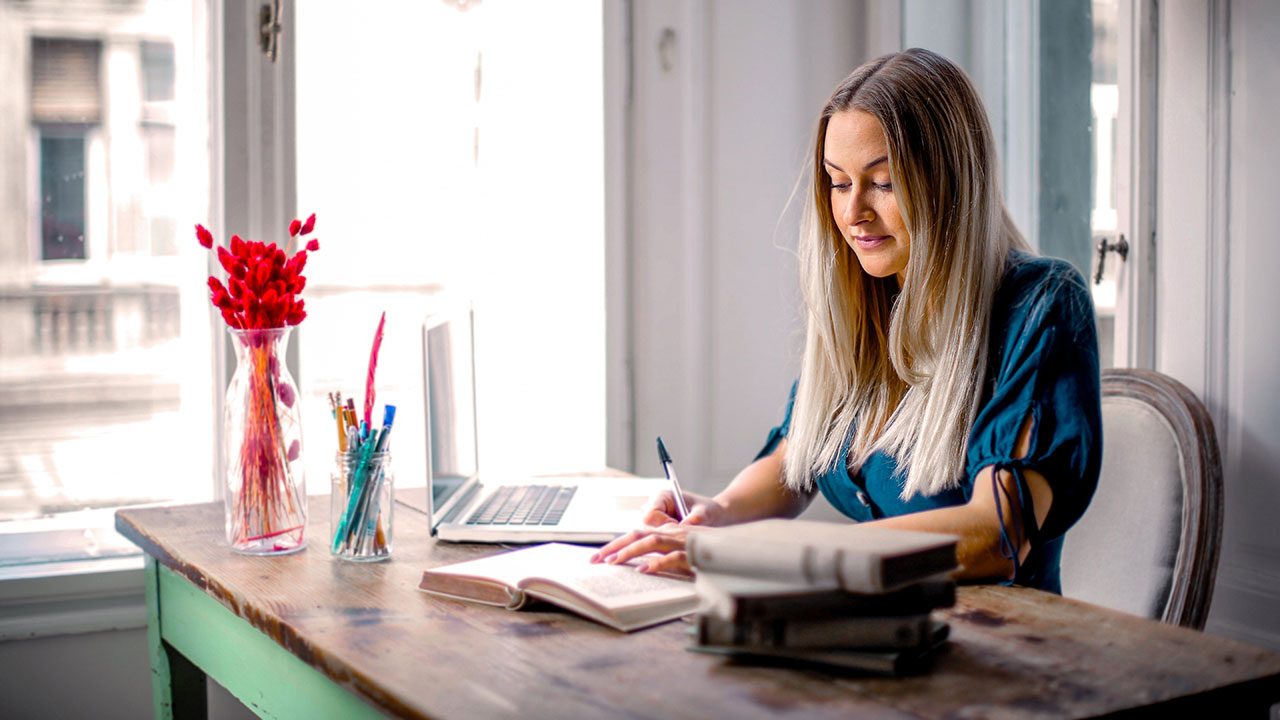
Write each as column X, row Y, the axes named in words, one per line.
column 1135, row 189
column 251, row 187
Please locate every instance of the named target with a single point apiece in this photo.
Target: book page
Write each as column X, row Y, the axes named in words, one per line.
column 622, row 584
column 558, row 564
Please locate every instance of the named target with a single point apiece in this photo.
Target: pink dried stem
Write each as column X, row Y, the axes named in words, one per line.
column 268, row 505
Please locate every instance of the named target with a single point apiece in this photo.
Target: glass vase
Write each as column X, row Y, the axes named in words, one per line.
column 265, row 495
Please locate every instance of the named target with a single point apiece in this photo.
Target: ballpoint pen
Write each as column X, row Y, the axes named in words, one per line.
column 670, row 469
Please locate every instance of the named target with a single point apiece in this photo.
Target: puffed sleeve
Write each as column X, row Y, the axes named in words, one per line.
column 778, row 433
column 1046, row 355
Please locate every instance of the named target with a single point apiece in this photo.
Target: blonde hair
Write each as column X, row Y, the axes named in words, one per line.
column 904, row 373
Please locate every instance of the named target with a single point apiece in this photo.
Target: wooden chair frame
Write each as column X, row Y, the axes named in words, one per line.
column 1196, row 567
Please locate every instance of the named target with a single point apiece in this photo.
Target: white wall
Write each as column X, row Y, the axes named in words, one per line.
column 719, row 138
column 1216, row 292
column 105, row 675
column 1248, row 591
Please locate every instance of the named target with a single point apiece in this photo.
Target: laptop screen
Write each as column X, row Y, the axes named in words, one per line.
column 449, row 388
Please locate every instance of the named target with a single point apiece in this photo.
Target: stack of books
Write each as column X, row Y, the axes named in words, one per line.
column 827, row 594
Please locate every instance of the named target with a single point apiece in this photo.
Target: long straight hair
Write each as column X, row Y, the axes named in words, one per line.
column 902, row 368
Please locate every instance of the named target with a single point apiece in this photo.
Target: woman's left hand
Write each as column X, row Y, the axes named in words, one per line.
column 669, row 539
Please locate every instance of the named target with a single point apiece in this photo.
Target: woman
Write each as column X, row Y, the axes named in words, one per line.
column 950, row 378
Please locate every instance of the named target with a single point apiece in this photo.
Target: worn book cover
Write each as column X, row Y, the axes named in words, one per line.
column 860, row 558
column 858, row 632
column 614, row 595
column 875, row 662
column 735, row 597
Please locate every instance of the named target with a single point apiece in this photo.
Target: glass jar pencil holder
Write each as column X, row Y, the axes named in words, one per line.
column 361, row 507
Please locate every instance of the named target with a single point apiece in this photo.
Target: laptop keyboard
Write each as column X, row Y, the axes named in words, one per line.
column 524, row 505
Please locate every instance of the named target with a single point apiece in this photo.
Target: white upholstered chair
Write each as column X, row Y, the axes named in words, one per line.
column 1148, row 544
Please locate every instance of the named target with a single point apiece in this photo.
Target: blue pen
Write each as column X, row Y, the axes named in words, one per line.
column 388, row 417
column 360, row 520
column 370, row 509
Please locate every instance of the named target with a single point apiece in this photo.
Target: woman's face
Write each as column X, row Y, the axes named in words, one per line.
column 856, row 158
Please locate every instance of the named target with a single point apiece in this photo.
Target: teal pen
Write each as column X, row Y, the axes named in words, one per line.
column 358, row 479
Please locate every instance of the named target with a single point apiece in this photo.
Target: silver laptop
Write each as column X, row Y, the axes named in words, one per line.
column 464, row 506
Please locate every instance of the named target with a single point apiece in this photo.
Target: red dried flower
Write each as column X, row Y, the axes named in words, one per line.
column 226, row 259
column 263, row 282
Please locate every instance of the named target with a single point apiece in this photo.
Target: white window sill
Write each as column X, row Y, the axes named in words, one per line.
column 68, row 576
column 67, row 598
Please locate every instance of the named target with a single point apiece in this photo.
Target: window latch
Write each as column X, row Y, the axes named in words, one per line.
column 1119, row 246
column 269, row 28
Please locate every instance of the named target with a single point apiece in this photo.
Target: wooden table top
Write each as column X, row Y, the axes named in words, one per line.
column 1014, row 652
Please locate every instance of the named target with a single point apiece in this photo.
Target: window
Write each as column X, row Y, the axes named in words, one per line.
column 1105, row 104
column 158, row 129
column 65, row 104
column 157, row 70
column 62, row 193
column 105, row 360
column 457, row 150
column 1047, row 72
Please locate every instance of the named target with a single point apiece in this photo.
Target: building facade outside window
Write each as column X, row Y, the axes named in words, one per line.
column 105, row 355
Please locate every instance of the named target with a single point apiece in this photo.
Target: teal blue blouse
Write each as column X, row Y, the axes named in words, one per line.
column 1043, row 360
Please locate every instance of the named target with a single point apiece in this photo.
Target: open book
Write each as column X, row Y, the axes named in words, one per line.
column 614, row 595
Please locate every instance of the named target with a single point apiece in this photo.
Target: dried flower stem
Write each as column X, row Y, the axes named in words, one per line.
column 266, row 501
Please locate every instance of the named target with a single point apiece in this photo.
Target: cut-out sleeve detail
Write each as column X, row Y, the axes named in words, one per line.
column 1022, row 519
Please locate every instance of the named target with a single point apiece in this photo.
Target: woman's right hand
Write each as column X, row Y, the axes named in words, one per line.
column 661, row 510
column 663, row 534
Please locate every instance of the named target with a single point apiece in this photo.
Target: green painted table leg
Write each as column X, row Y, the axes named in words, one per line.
column 178, row 687
column 268, row 679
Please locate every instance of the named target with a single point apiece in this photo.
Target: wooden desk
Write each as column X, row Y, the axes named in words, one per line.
column 310, row 636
